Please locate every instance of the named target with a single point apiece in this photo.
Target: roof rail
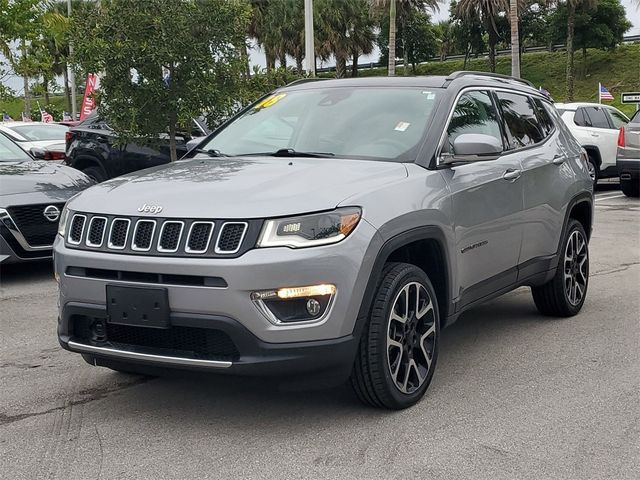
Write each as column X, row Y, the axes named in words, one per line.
column 463, row 73
column 304, row 80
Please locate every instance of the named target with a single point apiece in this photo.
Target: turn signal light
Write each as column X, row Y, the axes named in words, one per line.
column 312, row 291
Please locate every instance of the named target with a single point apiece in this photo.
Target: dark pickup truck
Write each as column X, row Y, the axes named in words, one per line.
column 93, row 148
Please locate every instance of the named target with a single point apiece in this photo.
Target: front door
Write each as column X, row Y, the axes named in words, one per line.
column 487, row 203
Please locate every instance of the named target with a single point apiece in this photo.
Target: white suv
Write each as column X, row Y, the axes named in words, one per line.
column 596, row 128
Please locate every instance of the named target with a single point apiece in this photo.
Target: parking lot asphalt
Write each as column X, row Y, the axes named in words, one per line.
column 515, row 395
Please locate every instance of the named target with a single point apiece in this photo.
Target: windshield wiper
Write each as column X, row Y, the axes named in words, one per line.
column 211, row 152
column 290, row 152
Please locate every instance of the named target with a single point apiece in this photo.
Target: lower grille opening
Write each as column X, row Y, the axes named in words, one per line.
column 177, row 341
column 146, row 277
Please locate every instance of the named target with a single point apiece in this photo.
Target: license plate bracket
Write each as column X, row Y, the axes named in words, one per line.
column 138, row 306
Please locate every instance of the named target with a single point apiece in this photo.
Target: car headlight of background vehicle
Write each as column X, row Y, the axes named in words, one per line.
column 310, row 230
column 62, row 223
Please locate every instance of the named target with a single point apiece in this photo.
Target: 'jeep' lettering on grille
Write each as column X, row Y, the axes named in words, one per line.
column 150, row 208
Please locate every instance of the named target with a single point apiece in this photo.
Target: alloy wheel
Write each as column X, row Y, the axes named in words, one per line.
column 411, row 337
column 591, row 168
column 575, row 267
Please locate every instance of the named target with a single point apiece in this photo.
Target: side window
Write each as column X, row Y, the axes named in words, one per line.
column 619, row 120
column 474, row 113
column 579, row 118
column 520, row 118
column 543, row 117
column 597, row 117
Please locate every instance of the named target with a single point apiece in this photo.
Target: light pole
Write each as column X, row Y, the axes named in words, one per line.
column 72, row 74
column 309, row 48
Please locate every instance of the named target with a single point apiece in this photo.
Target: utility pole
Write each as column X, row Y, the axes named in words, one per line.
column 392, row 39
column 309, row 47
column 515, row 39
column 72, row 74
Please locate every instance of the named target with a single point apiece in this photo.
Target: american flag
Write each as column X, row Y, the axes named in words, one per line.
column 6, row 117
column 45, row 117
column 25, row 118
column 66, row 117
column 603, row 93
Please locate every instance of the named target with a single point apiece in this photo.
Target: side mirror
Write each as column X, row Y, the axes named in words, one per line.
column 37, row 153
column 474, row 147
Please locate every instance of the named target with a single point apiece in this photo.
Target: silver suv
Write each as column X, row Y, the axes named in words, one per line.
column 331, row 230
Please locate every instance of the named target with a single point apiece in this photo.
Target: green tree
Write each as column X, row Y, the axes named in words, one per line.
column 418, row 39
column 572, row 5
column 487, row 11
column 444, row 38
column 467, row 33
column 19, row 24
column 162, row 62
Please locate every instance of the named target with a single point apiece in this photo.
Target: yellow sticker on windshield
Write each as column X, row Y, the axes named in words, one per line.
column 271, row 100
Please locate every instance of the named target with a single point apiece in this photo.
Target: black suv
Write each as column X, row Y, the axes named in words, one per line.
column 93, row 148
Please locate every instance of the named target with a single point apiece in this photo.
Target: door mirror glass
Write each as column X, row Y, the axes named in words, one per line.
column 476, row 145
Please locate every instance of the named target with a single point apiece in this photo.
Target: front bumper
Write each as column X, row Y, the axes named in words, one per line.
column 261, row 347
column 12, row 252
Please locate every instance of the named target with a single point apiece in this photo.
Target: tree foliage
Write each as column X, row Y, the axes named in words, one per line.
column 161, row 63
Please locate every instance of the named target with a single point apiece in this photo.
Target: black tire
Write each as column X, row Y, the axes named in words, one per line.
column 595, row 173
column 631, row 188
column 372, row 378
column 96, row 173
column 554, row 297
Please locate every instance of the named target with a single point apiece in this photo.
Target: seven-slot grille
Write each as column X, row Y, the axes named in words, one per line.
column 34, row 226
column 153, row 236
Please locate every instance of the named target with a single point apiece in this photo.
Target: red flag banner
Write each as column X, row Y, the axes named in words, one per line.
column 88, row 102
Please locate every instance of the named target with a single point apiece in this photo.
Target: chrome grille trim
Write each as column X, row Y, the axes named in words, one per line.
column 170, row 250
column 244, row 232
column 193, row 224
column 84, row 224
column 104, row 229
column 126, row 236
column 134, row 247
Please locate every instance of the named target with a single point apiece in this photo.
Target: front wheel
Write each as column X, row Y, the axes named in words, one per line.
column 399, row 348
column 565, row 293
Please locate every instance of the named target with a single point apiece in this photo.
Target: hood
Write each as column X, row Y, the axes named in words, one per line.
column 247, row 187
column 26, row 177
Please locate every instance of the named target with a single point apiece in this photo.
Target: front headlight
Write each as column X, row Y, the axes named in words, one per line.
column 310, row 230
column 62, row 223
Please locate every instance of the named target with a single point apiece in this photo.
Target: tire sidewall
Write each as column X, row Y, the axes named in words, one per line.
column 408, row 275
column 573, row 226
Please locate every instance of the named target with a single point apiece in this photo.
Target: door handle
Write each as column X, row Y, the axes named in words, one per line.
column 512, row 174
column 559, row 159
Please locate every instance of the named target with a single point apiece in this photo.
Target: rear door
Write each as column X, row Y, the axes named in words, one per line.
column 546, row 178
column 487, row 203
column 603, row 132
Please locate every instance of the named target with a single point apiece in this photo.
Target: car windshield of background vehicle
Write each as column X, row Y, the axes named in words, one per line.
column 35, row 133
column 10, row 152
column 360, row 123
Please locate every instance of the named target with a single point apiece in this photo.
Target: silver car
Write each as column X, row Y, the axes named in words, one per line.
column 330, row 231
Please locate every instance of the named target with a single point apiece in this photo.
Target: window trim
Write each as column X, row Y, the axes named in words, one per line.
column 443, row 135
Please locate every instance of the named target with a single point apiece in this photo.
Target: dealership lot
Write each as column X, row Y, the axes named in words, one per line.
column 515, row 396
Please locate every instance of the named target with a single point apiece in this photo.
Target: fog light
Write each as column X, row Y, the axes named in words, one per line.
column 313, row 307
column 295, row 304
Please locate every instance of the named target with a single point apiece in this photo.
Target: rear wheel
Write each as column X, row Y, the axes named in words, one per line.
column 399, row 348
column 631, row 188
column 564, row 294
column 594, row 171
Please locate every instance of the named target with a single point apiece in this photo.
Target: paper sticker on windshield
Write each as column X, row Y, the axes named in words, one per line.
column 429, row 95
column 402, row 126
column 271, row 100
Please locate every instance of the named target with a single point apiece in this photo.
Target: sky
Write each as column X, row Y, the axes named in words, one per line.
column 257, row 57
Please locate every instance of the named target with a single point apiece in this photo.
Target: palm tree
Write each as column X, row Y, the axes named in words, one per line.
column 444, row 36
column 393, row 26
column 487, row 10
column 515, row 38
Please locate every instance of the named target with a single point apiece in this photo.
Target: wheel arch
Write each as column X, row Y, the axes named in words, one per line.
column 424, row 247
column 595, row 151
column 580, row 208
column 85, row 161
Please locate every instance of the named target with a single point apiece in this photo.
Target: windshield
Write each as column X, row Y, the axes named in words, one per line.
column 34, row 133
column 371, row 123
column 10, row 152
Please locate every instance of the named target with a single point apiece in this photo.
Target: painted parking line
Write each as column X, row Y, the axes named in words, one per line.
column 605, row 195
column 609, row 198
